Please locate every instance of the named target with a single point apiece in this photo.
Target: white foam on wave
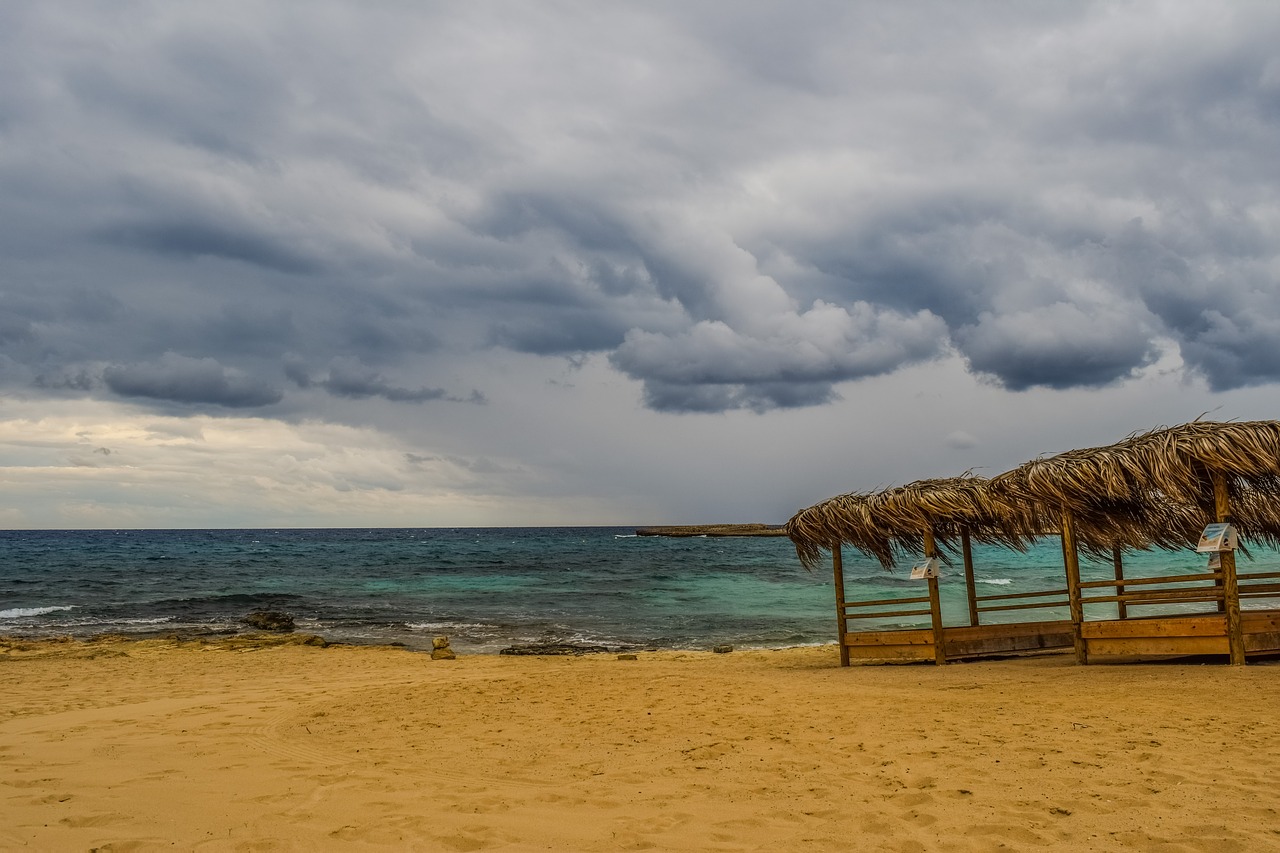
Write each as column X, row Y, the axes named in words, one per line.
column 624, row 536
column 20, row 612
column 996, row 581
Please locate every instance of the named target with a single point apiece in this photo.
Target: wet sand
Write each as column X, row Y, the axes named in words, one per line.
column 161, row 744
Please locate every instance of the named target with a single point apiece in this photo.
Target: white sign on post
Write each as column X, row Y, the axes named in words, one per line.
column 1217, row 537
column 926, row 569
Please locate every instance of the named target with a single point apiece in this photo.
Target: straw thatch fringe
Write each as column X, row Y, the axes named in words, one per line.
column 1161, row 481
column 1151, row 490
column 891, row 523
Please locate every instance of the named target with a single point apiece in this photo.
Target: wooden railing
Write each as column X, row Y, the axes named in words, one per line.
column 1207, row 587
column 1123, row 593
column 983, row 605
column 887, row 602
column 1258, row 590
column 1124, row 596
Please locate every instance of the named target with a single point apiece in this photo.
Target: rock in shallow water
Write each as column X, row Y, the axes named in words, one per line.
column 270, row 620
column 553, row 649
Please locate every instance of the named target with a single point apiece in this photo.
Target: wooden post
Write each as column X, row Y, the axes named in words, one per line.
column 1221, row 511
column 1230, row 583
column 842, row 621
column 1122, row 609
column 971, row 585
column 935, row 604
column 1072, row 559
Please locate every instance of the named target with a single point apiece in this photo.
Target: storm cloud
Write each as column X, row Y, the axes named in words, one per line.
column 348, row 378
column 376, row 215
column 177, row 379
column 722, row 216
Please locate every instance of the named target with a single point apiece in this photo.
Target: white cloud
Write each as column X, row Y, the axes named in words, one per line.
column 104, row 465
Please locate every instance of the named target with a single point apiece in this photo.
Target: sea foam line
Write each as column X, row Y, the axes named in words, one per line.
column 20, row 612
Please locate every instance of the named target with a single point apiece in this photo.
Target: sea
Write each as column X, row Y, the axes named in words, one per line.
column 490, row 589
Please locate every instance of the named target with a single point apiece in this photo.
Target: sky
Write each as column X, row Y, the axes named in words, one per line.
column 347, row 264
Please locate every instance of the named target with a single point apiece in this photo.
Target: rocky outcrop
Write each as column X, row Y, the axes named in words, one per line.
column 270, row 620
column 688, row 530
column 440, row 649
column 554, row 649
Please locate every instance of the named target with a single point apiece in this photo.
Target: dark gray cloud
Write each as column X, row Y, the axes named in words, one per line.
column 738, row 214
column 350, row 379
column 707, row 397
column 178, row 379
column 199, row 240
column 711, row 366
column 1057, row 346
column 1237, row 351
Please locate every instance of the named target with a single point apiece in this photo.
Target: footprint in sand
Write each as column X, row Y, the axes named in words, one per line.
column 711, row 750
column 77, row 822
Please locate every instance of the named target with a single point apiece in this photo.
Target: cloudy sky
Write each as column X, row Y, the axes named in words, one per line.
column 506, row 263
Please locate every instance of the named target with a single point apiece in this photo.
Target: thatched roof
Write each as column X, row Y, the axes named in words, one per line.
column 1158, row 485
column 891, row 523
column 1152, row 490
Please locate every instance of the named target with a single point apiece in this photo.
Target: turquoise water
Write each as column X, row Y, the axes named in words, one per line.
column 486, row 588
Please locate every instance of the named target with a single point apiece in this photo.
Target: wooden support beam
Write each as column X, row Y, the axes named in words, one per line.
column 970, row 583
column 876, row 614
column 883, row 602
column 842, row 625
column 991, row 608
column 1198, row 576
column 935, row 604
column 1071, row 558
column 1161, row 595
column 1199, row 625
column 1230, row 584
column 1118, row 563
column 1005, row 596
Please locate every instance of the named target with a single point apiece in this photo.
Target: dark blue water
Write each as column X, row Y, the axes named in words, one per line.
column 485, row 588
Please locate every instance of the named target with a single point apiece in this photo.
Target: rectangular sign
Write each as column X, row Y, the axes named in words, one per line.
column 1217, row 537
column 926, row 569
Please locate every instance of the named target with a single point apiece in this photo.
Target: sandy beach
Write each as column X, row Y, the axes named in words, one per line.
column 237, row 745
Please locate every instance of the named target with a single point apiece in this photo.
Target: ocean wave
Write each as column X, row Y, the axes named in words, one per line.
column 996, row 581
column 228, row 600
column 20, row 612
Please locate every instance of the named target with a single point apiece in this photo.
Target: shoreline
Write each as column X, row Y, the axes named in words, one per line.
column 266, row 639
column 280, row 745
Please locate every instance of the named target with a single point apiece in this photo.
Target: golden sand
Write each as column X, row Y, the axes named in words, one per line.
column 117, row 745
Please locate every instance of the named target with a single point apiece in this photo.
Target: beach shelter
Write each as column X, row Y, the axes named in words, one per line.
column 926, row 518
column 1163, row 487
